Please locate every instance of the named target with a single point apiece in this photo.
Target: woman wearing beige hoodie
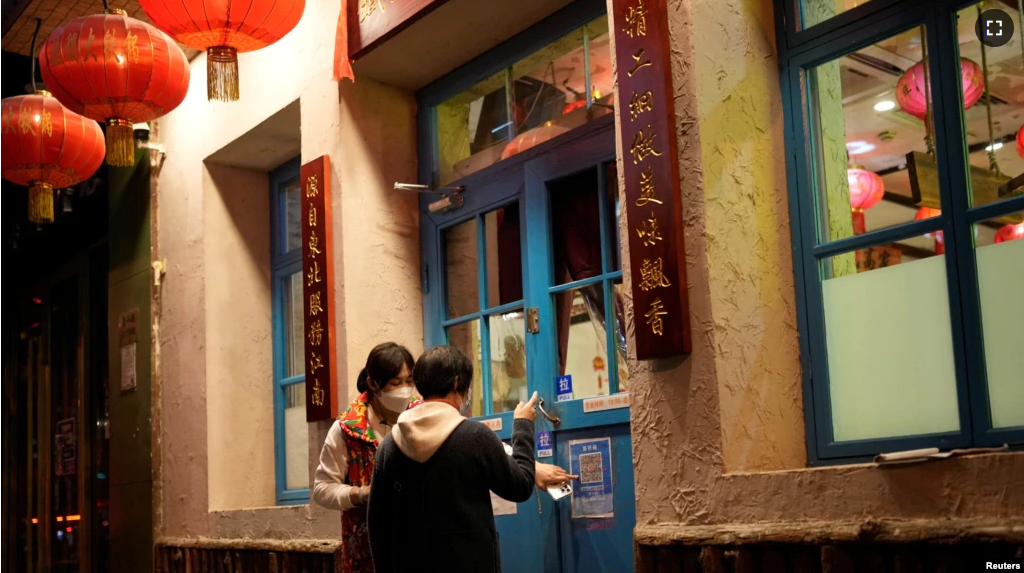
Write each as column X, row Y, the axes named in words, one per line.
column 433, row 475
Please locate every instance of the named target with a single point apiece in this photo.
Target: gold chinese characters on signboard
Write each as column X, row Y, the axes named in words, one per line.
column 641, row 150
column 314, row 330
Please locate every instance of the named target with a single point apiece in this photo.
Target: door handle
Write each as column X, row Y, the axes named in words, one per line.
column 553, row 419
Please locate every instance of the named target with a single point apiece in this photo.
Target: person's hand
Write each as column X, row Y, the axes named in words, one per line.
column 546, row 475
column 526, row 411
column 359, row 495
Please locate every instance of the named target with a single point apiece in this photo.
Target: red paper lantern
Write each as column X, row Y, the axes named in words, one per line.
column 532, row 137
column 911, row 93
column 1010, row 233
column 47, row 146
column 927, row 213
column 223, row 29
column 115, row 69
column 866, row 188
column 1020, row 142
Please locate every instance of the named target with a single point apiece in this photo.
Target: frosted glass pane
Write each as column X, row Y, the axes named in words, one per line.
column 296, row 438
column 890, row 354
column 1001, row 282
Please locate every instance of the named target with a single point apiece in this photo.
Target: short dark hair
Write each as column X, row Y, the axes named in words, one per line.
column 384, row 363
column 441, row 370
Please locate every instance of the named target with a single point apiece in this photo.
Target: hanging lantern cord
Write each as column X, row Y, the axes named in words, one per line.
column 106, row 6
column 992, row 164
column 927, row 95
column 35, row 38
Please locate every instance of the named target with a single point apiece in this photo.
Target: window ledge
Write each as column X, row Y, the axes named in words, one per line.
column 825, row 532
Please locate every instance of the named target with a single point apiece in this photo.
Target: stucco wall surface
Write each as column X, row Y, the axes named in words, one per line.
column 719, row 437
column 368, row 130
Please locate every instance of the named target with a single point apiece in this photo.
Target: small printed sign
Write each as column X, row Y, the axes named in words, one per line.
column 492, row 423
column 565, row 388
column 545, row 445
column 601, row 403
column 128, row 325
column 591, row 460
column 67, row 449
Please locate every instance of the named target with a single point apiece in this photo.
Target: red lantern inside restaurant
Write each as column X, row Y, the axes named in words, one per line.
column 532, row 137
column 117, row 70
column 1020, row 142
column 912, row 96
column 223, row 29
column 866, row 190
column 47, row 146
column 1010, row 233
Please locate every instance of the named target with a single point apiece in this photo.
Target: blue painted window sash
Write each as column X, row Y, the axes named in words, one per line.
column 803, row 50
column 283, row 266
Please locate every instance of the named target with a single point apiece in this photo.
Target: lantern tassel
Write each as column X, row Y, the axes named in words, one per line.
column 222, row 74
column 120, row 143
column 40, row 203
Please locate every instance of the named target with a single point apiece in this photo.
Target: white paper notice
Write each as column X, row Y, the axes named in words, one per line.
column 128, row 367
column 502, row 507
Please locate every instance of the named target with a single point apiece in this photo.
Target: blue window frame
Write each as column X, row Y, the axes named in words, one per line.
column 290, row 429
column 803, row 49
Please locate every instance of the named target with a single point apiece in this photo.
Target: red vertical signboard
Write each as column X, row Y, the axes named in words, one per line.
column 646, row 124
column 318, row 290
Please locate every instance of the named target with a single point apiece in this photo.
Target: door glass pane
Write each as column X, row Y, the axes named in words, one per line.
column 1000, row 252
column 576, row 227
column 292, row 217
column 296, row 437
column 466, row 337
column 873, row 157
column 997, row 155
column 890, row 349
column 582, row 341
column 473, row 128
column 504, row 256
column 817, row 11
column 294, row 326
column 508, row 360
column 461, row 268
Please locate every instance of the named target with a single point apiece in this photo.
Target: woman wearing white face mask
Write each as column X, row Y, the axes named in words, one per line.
column 346, row 461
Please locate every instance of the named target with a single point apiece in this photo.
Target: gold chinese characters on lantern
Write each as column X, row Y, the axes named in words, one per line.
column 117, row 70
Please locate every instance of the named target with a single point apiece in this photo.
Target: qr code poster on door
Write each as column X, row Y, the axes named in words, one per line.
column 592, row 494
column 591, row 468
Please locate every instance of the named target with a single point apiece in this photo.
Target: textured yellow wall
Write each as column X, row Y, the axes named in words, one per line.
column 749, row 251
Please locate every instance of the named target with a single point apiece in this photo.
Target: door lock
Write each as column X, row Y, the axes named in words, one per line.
column 532, row 320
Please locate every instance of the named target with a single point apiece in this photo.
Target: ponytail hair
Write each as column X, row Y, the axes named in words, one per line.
column 361, row 384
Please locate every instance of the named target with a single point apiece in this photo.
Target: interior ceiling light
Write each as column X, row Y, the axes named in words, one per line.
column 885, row 105
column 858, row 147
column 996, row 147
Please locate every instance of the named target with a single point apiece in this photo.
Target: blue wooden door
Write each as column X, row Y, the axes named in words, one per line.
column 487, row 265
column 578, row 357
